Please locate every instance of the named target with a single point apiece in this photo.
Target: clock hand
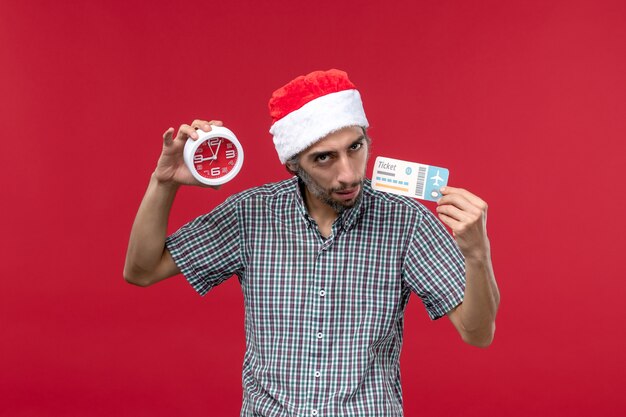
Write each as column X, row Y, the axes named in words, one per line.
column 198, row 158
column 216, row 152
column 218, row 148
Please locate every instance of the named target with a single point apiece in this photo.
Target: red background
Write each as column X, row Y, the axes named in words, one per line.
column 524, row 102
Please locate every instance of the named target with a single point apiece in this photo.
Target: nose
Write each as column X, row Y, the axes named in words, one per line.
column 346, row 171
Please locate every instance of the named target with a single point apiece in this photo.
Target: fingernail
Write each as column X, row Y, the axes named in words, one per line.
column 194, row 135
column 206, row 126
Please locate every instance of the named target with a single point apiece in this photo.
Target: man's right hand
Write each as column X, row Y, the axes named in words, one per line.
column 171, row 168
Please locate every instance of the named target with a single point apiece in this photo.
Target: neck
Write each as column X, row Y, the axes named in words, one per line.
column 323, row 214
column 318, row 208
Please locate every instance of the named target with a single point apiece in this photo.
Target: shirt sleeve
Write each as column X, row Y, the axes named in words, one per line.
column 434, row 267
column 207, row 249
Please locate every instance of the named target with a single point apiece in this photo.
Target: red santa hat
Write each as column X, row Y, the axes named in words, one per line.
column 310, row 107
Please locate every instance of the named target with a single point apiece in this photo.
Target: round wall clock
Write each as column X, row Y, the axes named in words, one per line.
column 215, row 157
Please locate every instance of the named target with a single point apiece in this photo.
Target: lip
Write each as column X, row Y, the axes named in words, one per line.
column 348, row 194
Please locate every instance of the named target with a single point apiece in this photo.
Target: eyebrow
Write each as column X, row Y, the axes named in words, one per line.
column 314, row 155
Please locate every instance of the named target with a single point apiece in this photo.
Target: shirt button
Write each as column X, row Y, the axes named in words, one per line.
column 313, row 412
column 317, row 374
column 322, row 293
column 320, row 335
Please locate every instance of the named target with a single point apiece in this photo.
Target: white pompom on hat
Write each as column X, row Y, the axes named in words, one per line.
column 312, row 106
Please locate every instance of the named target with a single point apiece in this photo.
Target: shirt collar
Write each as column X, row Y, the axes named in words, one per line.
column 299, row 200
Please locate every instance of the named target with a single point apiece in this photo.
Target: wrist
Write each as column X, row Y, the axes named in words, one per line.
column 478, row 253
column 166, row 185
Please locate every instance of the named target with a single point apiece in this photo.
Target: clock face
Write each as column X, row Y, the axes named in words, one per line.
column 215, row 158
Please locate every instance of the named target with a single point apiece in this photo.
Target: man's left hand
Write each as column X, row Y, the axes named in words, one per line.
column 466, row 215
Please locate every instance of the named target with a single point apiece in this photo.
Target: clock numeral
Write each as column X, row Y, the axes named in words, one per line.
column 215, row 141
column 230, row 154
column 215, row 172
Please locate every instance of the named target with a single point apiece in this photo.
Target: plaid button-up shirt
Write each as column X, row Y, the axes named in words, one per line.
column 323, row 317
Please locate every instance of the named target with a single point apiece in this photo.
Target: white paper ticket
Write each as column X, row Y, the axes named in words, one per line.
column 408, row 178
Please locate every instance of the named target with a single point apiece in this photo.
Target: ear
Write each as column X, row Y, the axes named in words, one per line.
column 291, row 168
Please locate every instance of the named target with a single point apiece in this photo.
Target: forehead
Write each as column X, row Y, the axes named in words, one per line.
column 335, row 141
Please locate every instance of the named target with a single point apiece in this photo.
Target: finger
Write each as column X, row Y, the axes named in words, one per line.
column 201, row 124
column 204, row 125
column 460, row 202
column 472, row 198
column 453, row 212
column 167, row 136
column 207, row 127
column 449, row 221
column 186, row 131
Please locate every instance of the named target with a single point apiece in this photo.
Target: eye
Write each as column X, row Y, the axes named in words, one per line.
column 356, row 146
column 322, row 158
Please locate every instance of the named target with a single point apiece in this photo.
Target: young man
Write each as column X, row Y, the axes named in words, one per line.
column 326, row 264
